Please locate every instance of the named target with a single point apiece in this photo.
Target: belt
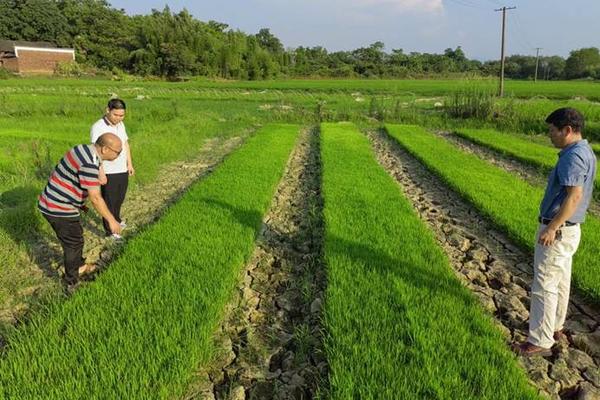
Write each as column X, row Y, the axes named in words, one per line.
column 546, row 221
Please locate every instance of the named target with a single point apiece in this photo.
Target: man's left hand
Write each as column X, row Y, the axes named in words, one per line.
column 547, row 237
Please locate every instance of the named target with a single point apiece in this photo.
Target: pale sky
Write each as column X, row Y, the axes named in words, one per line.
column 557, row 26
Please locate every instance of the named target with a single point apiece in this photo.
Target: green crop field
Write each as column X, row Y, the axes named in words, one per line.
column 393, row 321
column 395, row 312
column 149, row 319
column 518, row 147
column 514, row 210
column 523, row 89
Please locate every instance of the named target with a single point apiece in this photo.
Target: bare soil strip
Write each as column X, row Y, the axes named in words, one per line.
column 532, row 175
column 499, row 274
column 270, row 342
column 142, row 206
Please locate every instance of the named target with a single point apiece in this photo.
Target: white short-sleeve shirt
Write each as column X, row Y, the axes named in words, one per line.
column 102, row 126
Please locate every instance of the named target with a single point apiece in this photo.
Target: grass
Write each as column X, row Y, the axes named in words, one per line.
column 31, row 145
column 517, row 147
column 511, row 203
column 140, row 330
column 425, row 87
column 400, row 325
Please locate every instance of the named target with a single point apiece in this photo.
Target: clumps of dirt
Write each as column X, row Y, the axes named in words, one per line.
column 499, row 274
column 270, row 344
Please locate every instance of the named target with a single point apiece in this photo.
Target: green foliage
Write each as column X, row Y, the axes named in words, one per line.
column 34, row 20
column 511, row 203
column 168, row 44
column 143, row 327
column 5, row 74
column 400, row 325
column 471, row 103
column 69, row 69
column 583, row 63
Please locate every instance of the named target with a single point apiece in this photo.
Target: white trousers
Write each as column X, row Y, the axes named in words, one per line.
column 551, row 285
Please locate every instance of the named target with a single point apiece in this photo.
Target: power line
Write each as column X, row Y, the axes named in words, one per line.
column 518, row 25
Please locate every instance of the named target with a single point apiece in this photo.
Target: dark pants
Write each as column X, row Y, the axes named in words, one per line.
column 113, row 194
column 70, row 234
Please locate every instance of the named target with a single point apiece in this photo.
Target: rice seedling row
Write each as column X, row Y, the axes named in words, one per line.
column 517, row 147
column 400, row 325
column 508, row 201
column 141, row 329
column 498, row 273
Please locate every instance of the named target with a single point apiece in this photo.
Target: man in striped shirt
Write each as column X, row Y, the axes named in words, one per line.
column 74, row 179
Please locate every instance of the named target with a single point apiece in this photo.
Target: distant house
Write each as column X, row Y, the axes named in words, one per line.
column 32, row 57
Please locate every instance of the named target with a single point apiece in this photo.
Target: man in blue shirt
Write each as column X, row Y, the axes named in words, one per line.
column 562, row 211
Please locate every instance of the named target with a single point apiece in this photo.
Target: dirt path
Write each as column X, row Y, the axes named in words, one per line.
column 270, row 342
column 534, row 176
column 142, row 206
column 499, row 274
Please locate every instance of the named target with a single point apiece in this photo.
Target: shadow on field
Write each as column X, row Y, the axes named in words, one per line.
column 19, row 219
column 435, row 281
column 249, row 218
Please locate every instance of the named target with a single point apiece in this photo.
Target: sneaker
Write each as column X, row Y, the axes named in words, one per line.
column 71, row 288
column 123, row 224
column 116, row 236
column 87, row 269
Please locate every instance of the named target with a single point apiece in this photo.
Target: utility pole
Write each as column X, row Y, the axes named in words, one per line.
column 537, row 62
column 503, row 9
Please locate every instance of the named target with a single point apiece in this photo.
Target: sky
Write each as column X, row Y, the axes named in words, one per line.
column 557, row 26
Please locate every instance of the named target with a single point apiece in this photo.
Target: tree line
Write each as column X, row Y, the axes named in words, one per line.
column 168, row 44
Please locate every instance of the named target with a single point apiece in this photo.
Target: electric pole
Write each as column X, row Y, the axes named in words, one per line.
column 537, row 62
column 503, row 9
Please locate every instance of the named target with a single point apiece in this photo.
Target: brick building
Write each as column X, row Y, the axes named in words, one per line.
column 32, row 57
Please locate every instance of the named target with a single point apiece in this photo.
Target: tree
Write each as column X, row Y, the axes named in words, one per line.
column 582, row 63
column 369, row 60
column 269, row 42
column 33, row 20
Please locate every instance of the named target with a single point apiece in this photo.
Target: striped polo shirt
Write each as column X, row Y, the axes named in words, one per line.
column 68, row 186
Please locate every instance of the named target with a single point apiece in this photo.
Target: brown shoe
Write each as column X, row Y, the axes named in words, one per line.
column 87, row 269
column 527, row 349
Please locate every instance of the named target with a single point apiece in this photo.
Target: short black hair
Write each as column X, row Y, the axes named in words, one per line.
column 567, row 116
column 116, row 104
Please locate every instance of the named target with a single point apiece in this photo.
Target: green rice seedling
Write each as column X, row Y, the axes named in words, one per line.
column 511, row 203
column 421, row 87
column 399, row 323
column 517, row 147
column 142, row 328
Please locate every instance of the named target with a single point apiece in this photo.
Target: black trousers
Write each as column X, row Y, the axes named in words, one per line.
column 113, row 194
column 70, row 234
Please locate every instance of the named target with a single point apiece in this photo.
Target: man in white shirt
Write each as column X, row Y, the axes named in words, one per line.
column 114, row 175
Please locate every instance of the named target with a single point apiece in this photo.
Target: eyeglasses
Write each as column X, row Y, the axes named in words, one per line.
column 118, row 152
